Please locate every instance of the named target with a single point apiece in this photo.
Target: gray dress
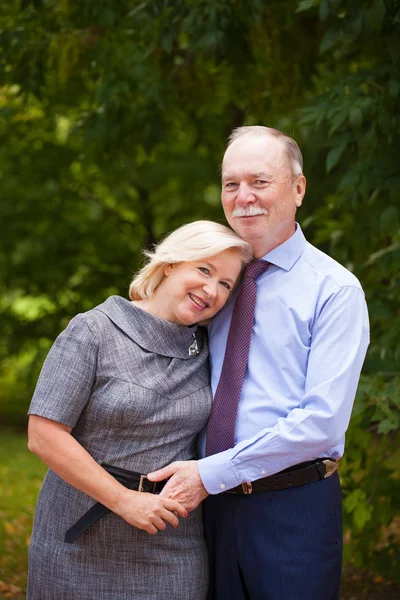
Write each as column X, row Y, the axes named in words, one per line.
column 136, row 394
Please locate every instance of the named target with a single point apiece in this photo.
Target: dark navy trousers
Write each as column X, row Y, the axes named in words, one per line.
column 281, row 545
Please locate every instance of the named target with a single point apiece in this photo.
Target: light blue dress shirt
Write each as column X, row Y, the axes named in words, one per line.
column 309, row 342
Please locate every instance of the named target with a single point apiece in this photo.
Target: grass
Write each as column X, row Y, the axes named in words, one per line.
column 21, row 474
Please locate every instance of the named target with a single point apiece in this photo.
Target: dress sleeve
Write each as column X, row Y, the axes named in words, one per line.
column 68, row 374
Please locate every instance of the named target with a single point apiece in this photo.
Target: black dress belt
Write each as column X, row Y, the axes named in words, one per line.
column 129, row 479
column 300, row 474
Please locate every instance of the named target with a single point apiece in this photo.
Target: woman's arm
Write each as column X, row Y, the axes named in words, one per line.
column 53, row 443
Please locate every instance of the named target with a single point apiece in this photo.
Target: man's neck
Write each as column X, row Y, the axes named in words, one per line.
column 266, row 244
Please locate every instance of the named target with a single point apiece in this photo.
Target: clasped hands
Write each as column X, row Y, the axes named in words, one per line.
column 184, row 483
column 182, row 493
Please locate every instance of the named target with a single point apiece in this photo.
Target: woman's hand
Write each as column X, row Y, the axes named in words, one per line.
column 149, row 511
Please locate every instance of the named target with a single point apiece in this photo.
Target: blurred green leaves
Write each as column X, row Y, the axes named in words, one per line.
column 113, row 120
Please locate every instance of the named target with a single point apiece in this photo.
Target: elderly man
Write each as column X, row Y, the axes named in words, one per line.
column 286, row 356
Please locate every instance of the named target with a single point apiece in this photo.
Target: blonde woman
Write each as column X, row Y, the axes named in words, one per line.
column 124, row 391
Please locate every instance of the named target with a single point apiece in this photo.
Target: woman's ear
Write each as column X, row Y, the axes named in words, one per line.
column 168, row 269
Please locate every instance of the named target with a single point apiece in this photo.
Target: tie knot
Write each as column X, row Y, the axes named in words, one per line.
column 255, row 268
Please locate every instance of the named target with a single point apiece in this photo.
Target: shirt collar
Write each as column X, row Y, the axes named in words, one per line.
column 151, row 333
column 288, row 253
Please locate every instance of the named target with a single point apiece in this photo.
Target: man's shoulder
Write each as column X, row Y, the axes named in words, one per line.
column 328, row 267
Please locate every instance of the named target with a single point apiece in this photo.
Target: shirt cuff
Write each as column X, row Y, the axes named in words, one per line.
column 217, row 473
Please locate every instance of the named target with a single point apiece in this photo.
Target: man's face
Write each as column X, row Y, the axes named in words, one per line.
column 259, row 195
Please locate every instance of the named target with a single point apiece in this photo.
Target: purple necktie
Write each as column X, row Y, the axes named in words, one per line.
column 222, row 422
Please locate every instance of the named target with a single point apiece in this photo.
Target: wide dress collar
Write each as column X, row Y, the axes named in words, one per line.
column 152, row 333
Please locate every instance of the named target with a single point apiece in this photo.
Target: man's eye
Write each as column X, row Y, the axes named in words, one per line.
column 230, row 184
column 261, row 182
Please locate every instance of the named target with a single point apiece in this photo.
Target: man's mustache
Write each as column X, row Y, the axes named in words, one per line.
column 249, row 211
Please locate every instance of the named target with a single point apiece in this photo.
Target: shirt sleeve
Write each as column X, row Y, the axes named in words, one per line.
column 66, row 380
column 339, row 343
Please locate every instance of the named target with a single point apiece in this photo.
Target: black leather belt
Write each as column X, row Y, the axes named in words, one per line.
column 129, row 479
column 300, row 474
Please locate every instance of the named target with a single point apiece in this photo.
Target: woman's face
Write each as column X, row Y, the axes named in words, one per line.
column 196, row 291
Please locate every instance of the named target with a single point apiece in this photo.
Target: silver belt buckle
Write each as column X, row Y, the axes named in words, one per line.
column 140, row 486
column 331, row 466
column 247, row 488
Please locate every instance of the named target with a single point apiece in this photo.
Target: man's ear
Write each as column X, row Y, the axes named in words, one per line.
column 300, row 184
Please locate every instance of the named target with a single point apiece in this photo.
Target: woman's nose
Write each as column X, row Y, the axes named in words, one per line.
column 211, row 288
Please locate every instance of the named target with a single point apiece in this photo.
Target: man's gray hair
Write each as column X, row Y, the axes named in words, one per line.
column 291, row 147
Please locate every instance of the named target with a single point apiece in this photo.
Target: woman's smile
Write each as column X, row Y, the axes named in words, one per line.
column 198, row 301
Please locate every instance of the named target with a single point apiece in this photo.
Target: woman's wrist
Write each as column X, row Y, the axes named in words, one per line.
column 120, row 501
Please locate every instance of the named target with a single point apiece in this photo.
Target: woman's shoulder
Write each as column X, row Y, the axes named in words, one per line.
column 95, row 321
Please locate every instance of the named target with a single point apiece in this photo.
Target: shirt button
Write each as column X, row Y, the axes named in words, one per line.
column 263, row 472
column 222, row 486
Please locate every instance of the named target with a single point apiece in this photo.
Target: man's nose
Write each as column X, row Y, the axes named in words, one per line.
column 245, row 194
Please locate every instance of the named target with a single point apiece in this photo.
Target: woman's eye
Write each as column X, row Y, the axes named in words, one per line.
column 204, row 270
column 226, row 285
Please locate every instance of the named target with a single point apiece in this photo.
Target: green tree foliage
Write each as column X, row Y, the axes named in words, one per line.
column 113, row 119
column 351, row 124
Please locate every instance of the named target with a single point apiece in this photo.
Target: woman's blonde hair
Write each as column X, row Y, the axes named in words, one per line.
column 194, row 241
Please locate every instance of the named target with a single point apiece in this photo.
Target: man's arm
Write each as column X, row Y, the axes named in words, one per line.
column 340, row 338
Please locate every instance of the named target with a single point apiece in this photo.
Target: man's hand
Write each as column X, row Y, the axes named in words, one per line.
column 185, row 485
